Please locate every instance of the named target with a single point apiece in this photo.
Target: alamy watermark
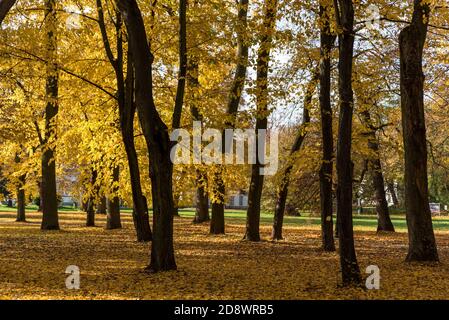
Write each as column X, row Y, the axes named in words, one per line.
column 198, row 147
column 72, row 282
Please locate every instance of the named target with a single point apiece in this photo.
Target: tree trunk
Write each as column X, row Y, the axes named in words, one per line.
column 101, row 207
column 90, row 207
column 392, row 191
column 263, row 59
column 422, row 246
column 349, row 267
column 113, row 205
column 327, row 40
column 279, row 210
column 49, row 195
column 157, row 139
column 21, row 217
column 127, row 110
column 202, row 199
column 5, row 6
column 217, row 223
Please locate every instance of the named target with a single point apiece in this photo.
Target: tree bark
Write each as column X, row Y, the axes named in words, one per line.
column 263, row 59
column 348, row 260
column 383, row 215
column 158, row 143
column 90, row 206
column 202, row 199
column 392, row 191
column 326, row 170
column 217, row 223
column 422, row 246
column 49, row 195
column 101, row 207
column 279, row 210
column 21, row 217
column 113, row 220
column 5, row 6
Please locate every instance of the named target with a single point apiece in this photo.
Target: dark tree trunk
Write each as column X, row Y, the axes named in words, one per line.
column 349, row 266
column 5, row 6
column 90, row 207
column 263, row 59
column 392, row 191
column 127, row 110
column 21, row 217
column 157, row 139
column 383, row 215
column 39, row 186
column 217, row 223
column 101, row 207
column 327, row 40
column 113, row 220
column 202, row 199
column 279, row 210
column 422, row 246
column 49, row 196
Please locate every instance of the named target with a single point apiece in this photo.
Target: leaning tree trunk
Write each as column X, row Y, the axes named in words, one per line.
column 348, row 261
column 158, row 143
column 279, row 210
column 422, row 246
column 383, row 215
column 263, row 59
column 21, row 217
column 49, row 196
column 327, row 40
column 113, row 204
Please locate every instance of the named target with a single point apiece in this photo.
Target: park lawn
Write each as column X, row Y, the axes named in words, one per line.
column 33, row 262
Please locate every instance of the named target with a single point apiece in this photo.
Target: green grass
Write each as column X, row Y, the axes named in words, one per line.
column 362, row 221
column 366, row 221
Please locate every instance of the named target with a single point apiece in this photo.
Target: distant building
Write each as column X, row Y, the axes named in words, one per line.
column 238, row 201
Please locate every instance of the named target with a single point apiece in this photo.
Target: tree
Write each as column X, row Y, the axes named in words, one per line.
column 49, row 197
column 326, row 42
column 348, row 260
column 263, row 59
column 422, row 246
column 217, row 224
column 5, row 6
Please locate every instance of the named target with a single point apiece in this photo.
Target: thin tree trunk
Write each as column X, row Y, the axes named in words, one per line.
column 349, row 266
column 383, row 215
column 422, row 245
column 158, row 143
column 49, row 195
column 90, row 207
column 326, row 170
column 202, row 199
column 279, row 210
column 392, row 191
column 263, row 58
column 217, row 222
column 113, row 220
column 127, row 110
column 21, row 217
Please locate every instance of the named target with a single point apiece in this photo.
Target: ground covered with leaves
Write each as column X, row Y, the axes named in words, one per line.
column 33, row 263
